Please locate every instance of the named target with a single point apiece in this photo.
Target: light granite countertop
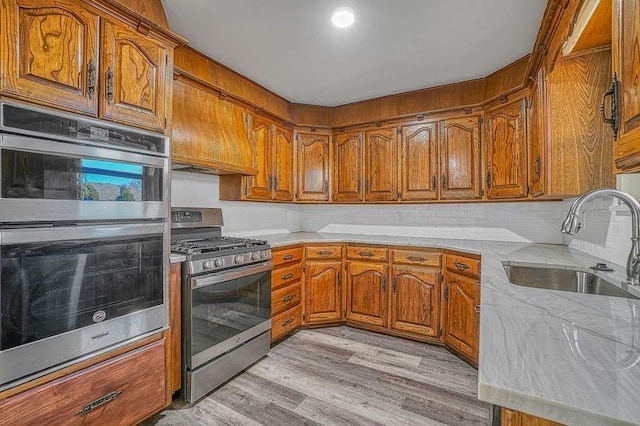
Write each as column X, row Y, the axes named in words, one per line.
column 572, row 358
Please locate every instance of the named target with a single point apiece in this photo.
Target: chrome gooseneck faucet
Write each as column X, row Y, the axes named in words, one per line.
column 571, row 225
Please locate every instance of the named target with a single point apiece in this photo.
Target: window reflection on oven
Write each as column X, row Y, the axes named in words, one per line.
column 51, row 288
column 221, row 311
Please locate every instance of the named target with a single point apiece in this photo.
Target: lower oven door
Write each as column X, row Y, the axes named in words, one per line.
column 225, row 310
column 69, row 291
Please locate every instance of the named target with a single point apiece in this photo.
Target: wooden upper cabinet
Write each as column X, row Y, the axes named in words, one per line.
column 415, row 300
column 347, row 169
column 282, row 164
column 312, row 167
column 381, row 161
column 259, row 186
column 626, row 64
column 50, row 53
column 419, row 162
column 460, row 158
column 367, row 300
column 461, row 326
column 135, row 81
column 537, row 136
column 323, row 291
column 506, row 151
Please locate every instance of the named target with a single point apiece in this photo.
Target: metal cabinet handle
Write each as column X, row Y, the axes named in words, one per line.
column 324, row 252
column 287, row 257
column 287, row 322
column 384, row 284
column 613, row 94
column 433, row 183
column 288, row 298
column 416, row 258
column 444, row 182
column 365, row 254
column 358, row 186
column 395, row 284
column 111, row 396
column 489, row 179
column 287, row 276
column 109, row 86
column 461, row 266
column 366, row 186
column 91, row 79
column 477, row 309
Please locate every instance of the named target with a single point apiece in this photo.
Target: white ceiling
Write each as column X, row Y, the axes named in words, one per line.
column 291, row 47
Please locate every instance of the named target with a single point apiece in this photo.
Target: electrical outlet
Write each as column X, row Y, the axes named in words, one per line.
column 286, row 215
column 399, row 217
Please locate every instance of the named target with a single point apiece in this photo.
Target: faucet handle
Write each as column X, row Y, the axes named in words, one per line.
column 602, row 267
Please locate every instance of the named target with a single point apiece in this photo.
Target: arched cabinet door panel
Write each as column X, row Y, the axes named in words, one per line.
column 415, row 300
column 323, row 282
column 367, row 291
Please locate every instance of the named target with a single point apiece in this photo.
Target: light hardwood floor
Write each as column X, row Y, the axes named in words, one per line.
column 342, row 376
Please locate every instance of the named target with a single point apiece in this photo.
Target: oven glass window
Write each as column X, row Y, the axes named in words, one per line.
column 32, row 175
column 51, row 288
column 221, row 311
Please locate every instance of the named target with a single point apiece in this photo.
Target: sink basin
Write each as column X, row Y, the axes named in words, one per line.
column 564, row 280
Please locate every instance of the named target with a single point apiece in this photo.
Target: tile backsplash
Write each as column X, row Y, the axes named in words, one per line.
column 604, row 234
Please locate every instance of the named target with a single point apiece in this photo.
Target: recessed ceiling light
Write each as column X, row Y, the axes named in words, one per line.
column 343, row 17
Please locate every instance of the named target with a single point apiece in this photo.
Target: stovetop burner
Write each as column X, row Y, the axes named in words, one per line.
column 214, row 244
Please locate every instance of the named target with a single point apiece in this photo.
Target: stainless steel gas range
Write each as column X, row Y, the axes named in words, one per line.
column 226, row 315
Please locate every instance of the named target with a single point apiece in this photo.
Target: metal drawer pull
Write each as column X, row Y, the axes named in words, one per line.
column 287, row 257
column 416, row 258
column 324, row 252
column 91, row 79
column 288, row 298
column 109, row 86
column 287, row 322
column 287, row 276
column 365, row 254
column 461, row 266
column 98, row 402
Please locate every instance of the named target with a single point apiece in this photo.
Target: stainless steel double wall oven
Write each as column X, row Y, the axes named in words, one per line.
column 84, row 238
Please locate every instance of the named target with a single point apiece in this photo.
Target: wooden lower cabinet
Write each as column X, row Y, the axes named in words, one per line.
column 285, row 322
column 323, row 284
column 174, row 334
column 367, row 293
column 119, row 391
column 461, row 324
column 415, row 300
column 516, row 418
column 286, row 291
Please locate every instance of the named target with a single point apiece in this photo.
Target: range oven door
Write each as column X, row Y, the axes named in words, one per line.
column 66, row 292
column 225, row 310
column 43, row 180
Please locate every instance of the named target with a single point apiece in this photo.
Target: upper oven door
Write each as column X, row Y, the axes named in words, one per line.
column 43, row 180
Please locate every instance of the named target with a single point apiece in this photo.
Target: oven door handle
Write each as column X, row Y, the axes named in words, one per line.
column 67, row 233
column 217, row 278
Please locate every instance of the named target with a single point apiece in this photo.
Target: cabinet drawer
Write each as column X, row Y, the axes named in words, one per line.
column 367, row 253
column 285, row 322
column 285, row 298
column 323, row 252
column 463, row 265
column 416, row 257
column 284, row 276
column 290, row 255
column 121, row 391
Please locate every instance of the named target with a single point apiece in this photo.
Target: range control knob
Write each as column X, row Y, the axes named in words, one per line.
column 219, row 262
column 238, row 259
column 255, row 255
column 263, row 254
column 208, row 264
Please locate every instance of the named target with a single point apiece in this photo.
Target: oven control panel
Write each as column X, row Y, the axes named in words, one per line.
column 186, row 216
column 228, row 261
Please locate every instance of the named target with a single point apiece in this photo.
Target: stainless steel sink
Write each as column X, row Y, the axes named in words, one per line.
column 564, row 280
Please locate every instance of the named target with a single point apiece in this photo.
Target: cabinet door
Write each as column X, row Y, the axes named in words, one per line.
column 419, row 162
column 415, row 300
column 506, row 152
column 347, row 175
column 367, row 300
column 323, row 281
column 313, row 167
column 462, row 296
column 49, row 53
column 537, row 137
column 135, row 83
column 283, row 164
column 381, row 162
column 259, row 186
column 460, row 158
column 626, row 64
